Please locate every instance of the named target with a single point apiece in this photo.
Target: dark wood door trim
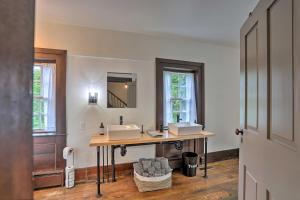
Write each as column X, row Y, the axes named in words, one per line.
column 59, row 57
column 50, row 51
column 162, row 65
column 48, row 147
column 181, row 66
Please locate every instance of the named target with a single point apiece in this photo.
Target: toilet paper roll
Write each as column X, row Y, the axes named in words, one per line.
column 67, row 151
column 68, row 168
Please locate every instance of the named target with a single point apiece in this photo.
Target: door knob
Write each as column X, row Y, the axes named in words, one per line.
column 239, row 131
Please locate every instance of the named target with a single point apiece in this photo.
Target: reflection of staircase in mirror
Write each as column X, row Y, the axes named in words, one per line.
column 113, row 101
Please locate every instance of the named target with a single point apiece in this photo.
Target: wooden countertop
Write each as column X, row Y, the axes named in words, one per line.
column 102, row 140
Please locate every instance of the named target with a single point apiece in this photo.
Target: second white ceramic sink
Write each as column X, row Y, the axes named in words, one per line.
column 185, row 128
column 123, row 132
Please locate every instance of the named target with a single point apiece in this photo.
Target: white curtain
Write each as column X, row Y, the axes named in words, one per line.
column 191, row 96
column 167, row 98
column 48, row 78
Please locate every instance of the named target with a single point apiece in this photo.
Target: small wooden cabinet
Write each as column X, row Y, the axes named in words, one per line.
column 48, row 162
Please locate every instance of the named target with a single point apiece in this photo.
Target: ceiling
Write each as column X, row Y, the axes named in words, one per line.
column 217, row 21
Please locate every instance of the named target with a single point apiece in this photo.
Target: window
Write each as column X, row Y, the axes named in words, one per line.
column 179, row 97
column 43, row 119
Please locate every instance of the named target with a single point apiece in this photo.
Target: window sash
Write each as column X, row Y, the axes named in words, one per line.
column 40, row 116
column 181, row 91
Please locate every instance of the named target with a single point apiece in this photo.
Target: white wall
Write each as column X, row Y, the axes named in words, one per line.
column 87, row 49
column 83, row 120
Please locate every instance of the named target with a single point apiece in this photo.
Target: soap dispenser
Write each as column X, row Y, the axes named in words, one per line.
column 161, row 128
column 101, row 132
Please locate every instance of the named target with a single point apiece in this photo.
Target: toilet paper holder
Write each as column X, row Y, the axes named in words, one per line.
column 67, row 152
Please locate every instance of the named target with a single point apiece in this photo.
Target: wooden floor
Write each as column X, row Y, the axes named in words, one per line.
column 221, row 184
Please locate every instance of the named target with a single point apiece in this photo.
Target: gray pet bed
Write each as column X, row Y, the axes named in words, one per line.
column 152, row 174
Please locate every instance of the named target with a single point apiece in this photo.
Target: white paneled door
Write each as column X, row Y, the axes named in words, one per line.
column 270, row 102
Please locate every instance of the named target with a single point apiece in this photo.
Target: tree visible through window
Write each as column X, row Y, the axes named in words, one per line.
column 179, row 97
column 43, row 118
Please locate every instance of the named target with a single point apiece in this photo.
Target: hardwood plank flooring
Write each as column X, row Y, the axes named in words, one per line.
column 221, row 184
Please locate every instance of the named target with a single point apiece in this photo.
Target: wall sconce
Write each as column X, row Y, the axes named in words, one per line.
column 93, row 98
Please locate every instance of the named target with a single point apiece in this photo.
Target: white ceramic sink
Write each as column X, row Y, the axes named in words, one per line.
column 185, row 128
column 123, row 132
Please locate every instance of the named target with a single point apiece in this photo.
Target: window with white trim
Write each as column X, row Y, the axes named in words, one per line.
column 179, row 97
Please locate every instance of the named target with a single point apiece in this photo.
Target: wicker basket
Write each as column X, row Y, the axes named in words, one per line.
column 146, row 184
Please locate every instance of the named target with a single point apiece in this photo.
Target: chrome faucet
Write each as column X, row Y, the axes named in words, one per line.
column 121, row 120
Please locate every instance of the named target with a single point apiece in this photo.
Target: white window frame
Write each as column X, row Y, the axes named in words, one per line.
column 188, row 102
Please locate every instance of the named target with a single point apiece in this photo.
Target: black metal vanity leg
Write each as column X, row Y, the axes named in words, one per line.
column 205, row 158
column 107, row 169
column 113, row 163
column 103, row 165
column 98, row 172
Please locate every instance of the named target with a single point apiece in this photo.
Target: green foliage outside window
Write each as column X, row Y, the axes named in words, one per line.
column 178, row 95
column 38, row 122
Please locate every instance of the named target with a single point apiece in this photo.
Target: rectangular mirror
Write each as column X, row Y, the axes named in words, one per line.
column 121, row 90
